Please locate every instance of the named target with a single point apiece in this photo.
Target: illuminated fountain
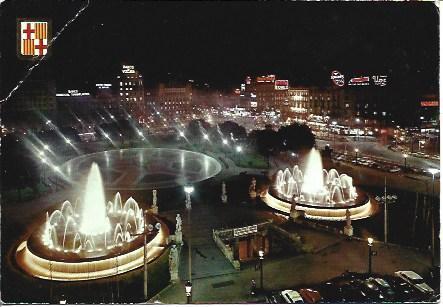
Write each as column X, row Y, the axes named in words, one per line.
column 321, row 194
column 91, row 239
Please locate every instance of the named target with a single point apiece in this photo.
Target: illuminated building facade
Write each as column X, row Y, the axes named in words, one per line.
column 131, row 91
column 266, row 92
column 298, row 99
column 429, row 111
column 334, row 102
column 174, row 100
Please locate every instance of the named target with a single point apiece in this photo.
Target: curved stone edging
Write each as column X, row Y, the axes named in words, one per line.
column 87, row 270
column 363, row 211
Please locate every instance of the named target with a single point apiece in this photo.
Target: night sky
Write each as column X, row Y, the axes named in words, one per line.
column 220, row 42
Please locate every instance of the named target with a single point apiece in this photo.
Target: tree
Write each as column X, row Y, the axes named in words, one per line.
column 266, row 142
column 296, row 137
column 228, row 127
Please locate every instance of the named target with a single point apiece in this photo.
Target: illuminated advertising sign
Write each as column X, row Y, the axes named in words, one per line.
column 359, row 81
column 338, row 78
column 380, row 80
column 248, row 80
column 267, row 79
column 429, row 103
column 72, row 93
column 243, row 87
column 237, row 91
column 103, row 85
column 253, row 104
column 281, row 84
column 128, row 69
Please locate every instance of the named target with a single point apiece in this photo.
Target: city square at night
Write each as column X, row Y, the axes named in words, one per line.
column 220, row 152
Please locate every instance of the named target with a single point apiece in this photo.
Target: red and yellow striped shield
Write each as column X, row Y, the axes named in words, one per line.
column 33, row 36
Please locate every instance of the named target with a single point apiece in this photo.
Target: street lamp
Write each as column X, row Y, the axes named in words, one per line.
column 182, row 134
column 261, row 255
column 386, row 200
column 147, row 229
column 357, row 120
column 433, row 171
column 356, row 155
column 334, row 123
column 188, row 289
column 239, row 149
column 188, row 190
column 405, row 156
column 225, row 142
column 45, row 147
column 370, row 241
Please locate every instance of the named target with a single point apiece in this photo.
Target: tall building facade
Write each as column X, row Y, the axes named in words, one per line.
column 173, row 101
column 267, row 93
column 131, row 91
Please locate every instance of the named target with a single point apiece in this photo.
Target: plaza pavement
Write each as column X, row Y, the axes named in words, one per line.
column 215, row 280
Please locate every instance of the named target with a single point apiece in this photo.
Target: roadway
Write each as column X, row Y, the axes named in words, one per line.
column 374, row 148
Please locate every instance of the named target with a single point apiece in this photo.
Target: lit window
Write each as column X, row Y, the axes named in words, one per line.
column 121, row 83
column 121, row 94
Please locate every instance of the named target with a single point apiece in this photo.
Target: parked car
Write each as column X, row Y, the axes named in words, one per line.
column 385, row 288
column 352, row 293
column 394, row 169
column 291, row 296
column 310, row 296
column 275, row 298
column 415, row 280
column 331, row 292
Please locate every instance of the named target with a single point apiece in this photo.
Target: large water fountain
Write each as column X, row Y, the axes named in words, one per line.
column 92, row 238
column 320, row 193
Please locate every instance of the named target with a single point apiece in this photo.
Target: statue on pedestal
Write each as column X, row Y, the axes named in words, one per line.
column 348, row 230
column 154, row 202
column 173, row 262
column 178, row 225
column 224, row 196
column 252, row 191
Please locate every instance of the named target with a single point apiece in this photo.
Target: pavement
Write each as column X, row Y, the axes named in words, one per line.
column 215, row 281
column 379, row 150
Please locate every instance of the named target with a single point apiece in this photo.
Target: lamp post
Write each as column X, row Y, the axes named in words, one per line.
column 334, row 123
column 188, row 190
column 261, row 255
column 238, row 149
column 188, row 289
column 147, row 229
column 405, row 156
column 370, row 241
column 356, row 155
column 433, row 171
column 386, row 200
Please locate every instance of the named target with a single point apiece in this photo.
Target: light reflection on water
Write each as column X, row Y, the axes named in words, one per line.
column 144, row 168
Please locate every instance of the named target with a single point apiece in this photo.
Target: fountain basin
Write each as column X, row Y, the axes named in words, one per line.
column 65, row 268
column 92, row 239
column 321, row 194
